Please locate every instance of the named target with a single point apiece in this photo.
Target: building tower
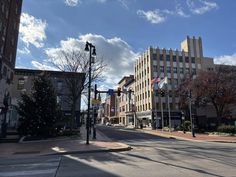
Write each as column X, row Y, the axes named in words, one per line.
column 173, row 64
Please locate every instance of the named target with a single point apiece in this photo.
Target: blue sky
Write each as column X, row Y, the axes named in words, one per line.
column 122, row 29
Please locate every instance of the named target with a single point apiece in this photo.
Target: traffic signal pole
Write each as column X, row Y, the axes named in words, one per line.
column 94, row 117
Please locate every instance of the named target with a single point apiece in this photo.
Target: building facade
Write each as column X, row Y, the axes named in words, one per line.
column 23, row 82
column 126, row 101
column 111, row 109
column 173, row 64
column 10, row 11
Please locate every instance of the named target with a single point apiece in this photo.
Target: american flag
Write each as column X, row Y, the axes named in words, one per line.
column 155, row 80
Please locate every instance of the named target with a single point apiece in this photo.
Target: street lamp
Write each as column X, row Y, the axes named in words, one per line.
column 89, row 47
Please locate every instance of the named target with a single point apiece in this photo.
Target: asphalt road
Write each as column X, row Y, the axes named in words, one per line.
column 151, row 156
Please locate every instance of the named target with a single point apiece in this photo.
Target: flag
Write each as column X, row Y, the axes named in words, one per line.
column 154, row 83
column 155, row 80
column 162, row 83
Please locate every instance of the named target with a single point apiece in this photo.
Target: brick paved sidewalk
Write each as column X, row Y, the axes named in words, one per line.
column 188, row 136
column 61, row 146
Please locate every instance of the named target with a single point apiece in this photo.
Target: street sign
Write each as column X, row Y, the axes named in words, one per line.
column 96, row 102
column 110, row 92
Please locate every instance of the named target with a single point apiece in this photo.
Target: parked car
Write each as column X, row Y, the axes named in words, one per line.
column 108, row 124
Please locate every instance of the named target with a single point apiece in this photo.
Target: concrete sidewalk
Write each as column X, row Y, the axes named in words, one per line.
column 62, row 146
column 188, row 136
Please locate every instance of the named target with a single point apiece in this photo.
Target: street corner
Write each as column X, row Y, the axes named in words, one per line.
column 111, row 146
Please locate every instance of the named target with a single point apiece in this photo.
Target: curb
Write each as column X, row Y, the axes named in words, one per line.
column 186, row 139
column 128, row 148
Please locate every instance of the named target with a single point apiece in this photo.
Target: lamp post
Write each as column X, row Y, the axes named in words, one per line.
column 89, row 47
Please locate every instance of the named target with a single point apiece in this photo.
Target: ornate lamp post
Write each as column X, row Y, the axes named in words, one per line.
column 89, row 47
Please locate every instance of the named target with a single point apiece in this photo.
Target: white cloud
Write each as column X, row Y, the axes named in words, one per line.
column 72, row 2
column 32, row 30
column 42, row 66
column 180, row 12
column 154, row 17
column 226, row 59
column 24, row 51
column 200, row 7
column 116, row 53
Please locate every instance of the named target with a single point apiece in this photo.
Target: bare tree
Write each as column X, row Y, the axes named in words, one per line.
column 183, row 91
column 77, row 61
column 217, row 87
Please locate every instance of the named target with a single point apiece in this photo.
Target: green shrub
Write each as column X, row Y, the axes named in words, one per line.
column 226, row 129
column 187, row 126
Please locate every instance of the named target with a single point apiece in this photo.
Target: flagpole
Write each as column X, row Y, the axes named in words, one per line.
column 162, row 117
column 168, row 99
column 156, row 106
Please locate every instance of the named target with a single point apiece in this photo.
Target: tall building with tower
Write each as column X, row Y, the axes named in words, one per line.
column 173, row 64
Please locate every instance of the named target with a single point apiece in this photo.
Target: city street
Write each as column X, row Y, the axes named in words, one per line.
column 151, row 156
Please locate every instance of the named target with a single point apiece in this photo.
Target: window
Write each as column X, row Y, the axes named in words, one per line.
column 7, row 14
column 12, row 41
column 193, row 60
column 167, row 57
column 187, row 70
column 1, row 52
column 58, row 99
column 180, row 59
column 186, row 60
column 11, row 58
column 162, row 69
column 156, row 93
column 161, row 57
column 4, row 71
column 155, row 68
column 181, row 70
column 168, row 69
column 175, row 70
column 174, row 58
column 21, row 83
column 154, row 56
column 16, row 10
column 11, row 76
column 3, row 7
column 170, row 93
column 59, row 85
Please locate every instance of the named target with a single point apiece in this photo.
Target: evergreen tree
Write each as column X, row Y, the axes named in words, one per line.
column 39, row 112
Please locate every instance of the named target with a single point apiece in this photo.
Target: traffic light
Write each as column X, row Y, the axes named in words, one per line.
column 162, row 93
column 118, row 91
